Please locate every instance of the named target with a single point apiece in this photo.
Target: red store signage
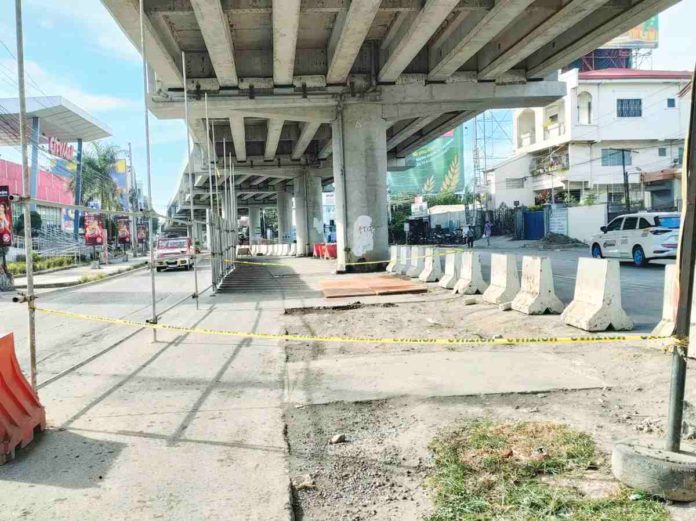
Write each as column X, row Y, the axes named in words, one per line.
column 64, row 150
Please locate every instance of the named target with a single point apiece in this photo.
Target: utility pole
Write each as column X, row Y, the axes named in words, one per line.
column 26, row 191
column 627, row 196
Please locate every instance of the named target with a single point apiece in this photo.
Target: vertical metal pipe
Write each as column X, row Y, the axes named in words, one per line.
column 190, row 176
column 226, row 213
column 26, row 191
column 78, row 190
column 213, row 260
column 235, row 228
column 151, row 237
column 133, row 208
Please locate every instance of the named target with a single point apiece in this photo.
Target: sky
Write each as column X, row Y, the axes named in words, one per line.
column 76, row 50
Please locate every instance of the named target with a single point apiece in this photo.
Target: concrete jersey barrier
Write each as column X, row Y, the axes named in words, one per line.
column 404, row 260
column 505, row 282
column 537, row 295
column 393, row 258
column 452, row 265
column 470, row 279
column 596, row 304
column 669, row 301
column 417, row 262
column 432, row 270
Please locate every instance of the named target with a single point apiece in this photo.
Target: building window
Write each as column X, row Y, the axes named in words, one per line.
column 629, row 108
column 680, row 155
column 612, row 157
column 584, row 108
column 514, row 183
column 662, row 152
column 671, row 103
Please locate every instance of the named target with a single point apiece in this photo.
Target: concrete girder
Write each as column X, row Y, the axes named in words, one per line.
column 608, row 23
column 409, row 130
column 127, row 16
column 215, row 27
column 256, row 191
column 472, row 34
column 412, row 37
column 241, row 7
column 238, row 137
column 349, row 32
column 562, row 20
column 326, row 149
column 448, row 123
column 260, row 179
column 309, row 129
column 286, row 22
column 274, row 128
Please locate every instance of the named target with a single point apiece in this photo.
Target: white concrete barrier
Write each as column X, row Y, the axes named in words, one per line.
column 596, row 303
column 505, row 282
column 453, row 262
column 261, row 249
column 254, row 249
column 537, row 295
column 404, row 260
column 293, row 249
column 417, row 262
column 393, row 258
column 285, row 249
column 470, row 279
column 432, row 270
column 669, row 300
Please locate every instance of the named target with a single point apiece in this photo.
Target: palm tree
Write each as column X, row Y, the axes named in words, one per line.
column 97, row 183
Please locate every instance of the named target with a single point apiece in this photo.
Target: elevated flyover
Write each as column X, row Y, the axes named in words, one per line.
column 310, row 91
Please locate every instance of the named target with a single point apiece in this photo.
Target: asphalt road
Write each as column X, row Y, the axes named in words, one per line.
column 641, row 288
column 62, row 343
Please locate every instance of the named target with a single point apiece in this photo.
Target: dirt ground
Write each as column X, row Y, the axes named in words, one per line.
column 380, row 471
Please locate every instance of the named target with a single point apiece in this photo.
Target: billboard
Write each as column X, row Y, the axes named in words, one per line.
column 643, row 36
column 5, row 217
column 68, row 220
column 438, row 168
column 142, row 233
column 119, row 175
column 123, row 229
column 94, row 229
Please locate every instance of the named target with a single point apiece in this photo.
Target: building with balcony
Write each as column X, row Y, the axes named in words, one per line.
column 577, row 148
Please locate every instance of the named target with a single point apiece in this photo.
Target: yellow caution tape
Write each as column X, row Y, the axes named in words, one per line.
column 354, row 339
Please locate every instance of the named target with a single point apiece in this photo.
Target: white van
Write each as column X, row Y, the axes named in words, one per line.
column 639, row 236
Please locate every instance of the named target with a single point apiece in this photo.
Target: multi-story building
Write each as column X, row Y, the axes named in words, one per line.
column 612, row 125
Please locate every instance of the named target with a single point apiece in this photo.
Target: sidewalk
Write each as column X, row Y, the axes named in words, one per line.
column 72, row 276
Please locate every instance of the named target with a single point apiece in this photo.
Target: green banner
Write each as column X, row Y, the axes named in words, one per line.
column 438, row 168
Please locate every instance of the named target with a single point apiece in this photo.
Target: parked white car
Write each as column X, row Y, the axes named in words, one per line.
column 639, row 236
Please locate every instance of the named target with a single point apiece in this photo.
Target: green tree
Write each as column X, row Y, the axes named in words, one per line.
column 97, row 184
column 35, row 219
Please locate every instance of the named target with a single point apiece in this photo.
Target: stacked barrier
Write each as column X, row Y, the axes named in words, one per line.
column 596, row 303
column 505, row 283
column 470, row 279
column 404, row 260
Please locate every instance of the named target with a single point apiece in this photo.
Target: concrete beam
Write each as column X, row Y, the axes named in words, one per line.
column 238, row 137
column 409, row 130
column 326, row 149
column 448, row 124
column 127, row 16
column 577, row 42
column 348, row 35
column 260, row 179
column 565, row 18
column 413, row 37
column 215, row 27
column 472, row 34
column 308, row 131
column 286, row 21
column 274, row 128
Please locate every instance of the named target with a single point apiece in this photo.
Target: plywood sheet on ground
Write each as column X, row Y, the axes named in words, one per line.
column 368, row 285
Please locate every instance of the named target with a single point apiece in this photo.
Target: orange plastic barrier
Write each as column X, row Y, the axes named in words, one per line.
column 21, row 413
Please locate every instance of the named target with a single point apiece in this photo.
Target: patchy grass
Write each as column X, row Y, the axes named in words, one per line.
column 92, row 278
column 486, row 471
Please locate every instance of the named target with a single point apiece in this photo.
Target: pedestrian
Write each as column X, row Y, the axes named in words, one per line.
column 469, row 237
column 488, row 231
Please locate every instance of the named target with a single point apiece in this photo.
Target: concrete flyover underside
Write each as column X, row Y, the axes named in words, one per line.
column 343, row 90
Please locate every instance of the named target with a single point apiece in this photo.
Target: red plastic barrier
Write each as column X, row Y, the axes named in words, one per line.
column 21, row 413
column 317, row 249
column 331, row 250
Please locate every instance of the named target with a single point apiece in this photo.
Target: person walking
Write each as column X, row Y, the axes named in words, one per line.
column 488, row 231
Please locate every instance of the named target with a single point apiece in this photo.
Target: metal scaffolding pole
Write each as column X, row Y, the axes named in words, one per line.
column 190, row 172
column 213, row 261
column 26, row 191
column 151, row 234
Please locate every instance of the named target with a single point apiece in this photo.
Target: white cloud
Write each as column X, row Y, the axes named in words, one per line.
column 98, row 25
column 41, row 83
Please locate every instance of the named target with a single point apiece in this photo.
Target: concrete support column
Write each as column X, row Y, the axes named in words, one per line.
column 301, row 232
column 254, row 224
column 360, row 178
column 315, row 210
column 284, row 213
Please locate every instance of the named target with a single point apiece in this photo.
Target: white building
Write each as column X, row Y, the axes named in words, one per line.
column 579, row 146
